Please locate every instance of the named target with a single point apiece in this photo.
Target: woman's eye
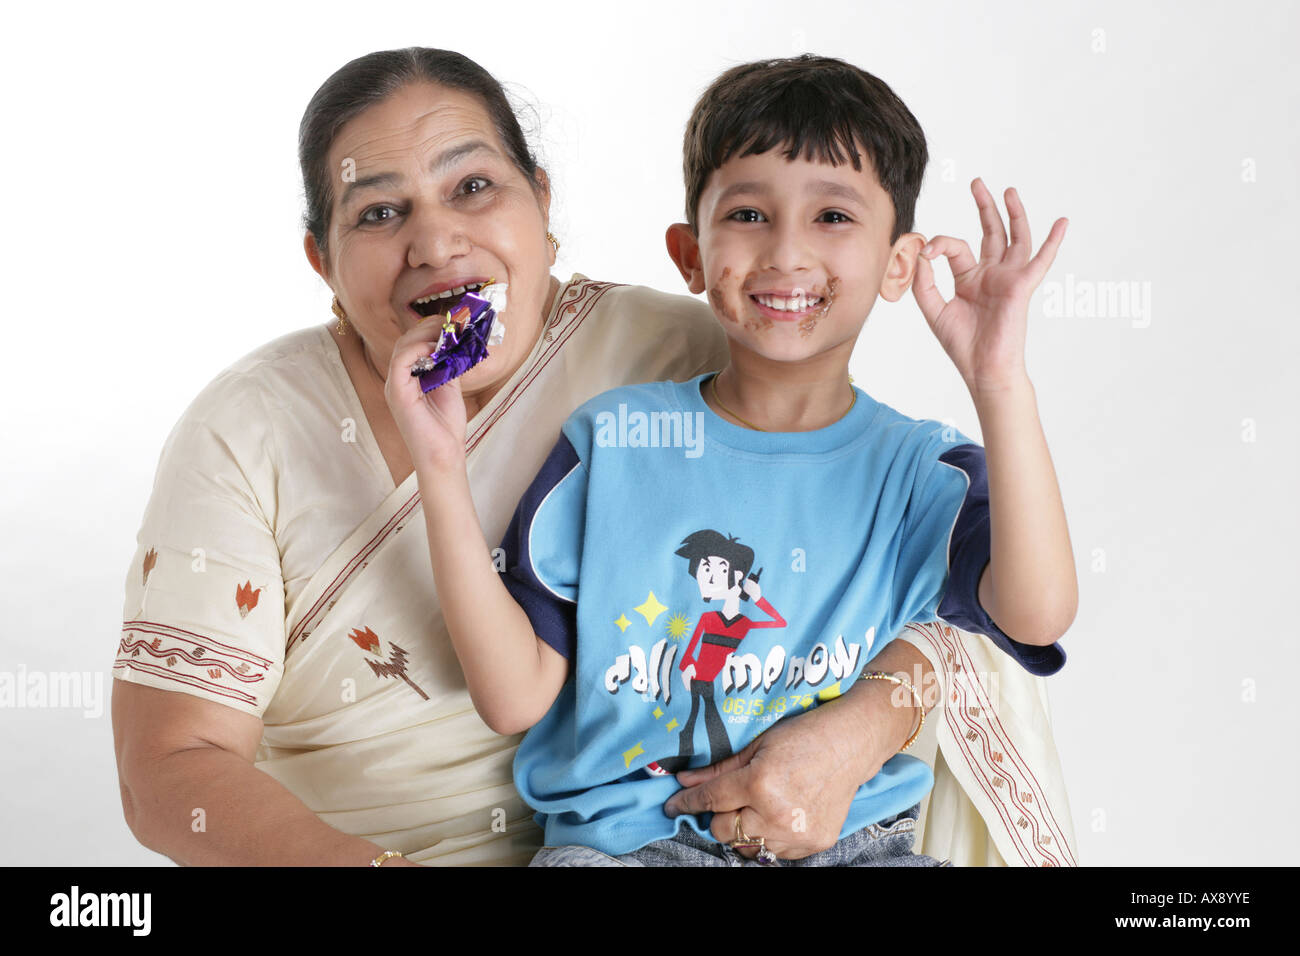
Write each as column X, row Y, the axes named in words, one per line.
column 367, row 217
column 475, row 184
column 746, row 215
column 837, row 217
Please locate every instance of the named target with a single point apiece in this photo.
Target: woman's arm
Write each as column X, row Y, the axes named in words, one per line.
column 191, row 792
column 800, row 775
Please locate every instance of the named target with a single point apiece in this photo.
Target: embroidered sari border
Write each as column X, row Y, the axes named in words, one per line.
column 989, row 729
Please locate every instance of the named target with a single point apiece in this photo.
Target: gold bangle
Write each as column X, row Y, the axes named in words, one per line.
column 386, row 855
column 920, row 706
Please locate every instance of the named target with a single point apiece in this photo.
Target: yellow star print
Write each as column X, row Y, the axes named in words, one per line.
column 650, row 608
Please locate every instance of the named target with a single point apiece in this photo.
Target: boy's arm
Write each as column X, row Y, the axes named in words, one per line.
column 513, row 676
column 1029, row 586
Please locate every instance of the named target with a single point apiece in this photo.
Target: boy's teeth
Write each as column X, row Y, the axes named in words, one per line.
column 792, row 304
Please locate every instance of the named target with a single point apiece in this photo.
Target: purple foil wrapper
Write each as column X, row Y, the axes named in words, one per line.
column 458, row 352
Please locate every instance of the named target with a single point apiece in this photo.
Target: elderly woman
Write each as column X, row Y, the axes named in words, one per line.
column 287, row 693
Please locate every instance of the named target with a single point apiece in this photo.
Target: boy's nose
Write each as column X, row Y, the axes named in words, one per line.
column 786, row 251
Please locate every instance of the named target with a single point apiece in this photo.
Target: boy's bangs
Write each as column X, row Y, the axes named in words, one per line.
column 816, row 108
column 818, row 143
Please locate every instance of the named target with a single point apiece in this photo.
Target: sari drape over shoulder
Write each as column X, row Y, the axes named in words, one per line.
column 347, row 661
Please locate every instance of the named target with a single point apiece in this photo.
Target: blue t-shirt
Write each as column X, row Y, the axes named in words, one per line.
column 632, row 553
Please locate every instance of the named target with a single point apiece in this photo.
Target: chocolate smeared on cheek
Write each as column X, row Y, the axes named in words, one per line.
column 755, row 321
column 718, row 297
column 727, row 298
column 809, row 322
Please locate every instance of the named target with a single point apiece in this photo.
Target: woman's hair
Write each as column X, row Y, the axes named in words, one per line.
column 818, row 107
column 371, row 79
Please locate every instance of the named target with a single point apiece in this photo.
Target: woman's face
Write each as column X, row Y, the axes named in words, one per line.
column 425, row 198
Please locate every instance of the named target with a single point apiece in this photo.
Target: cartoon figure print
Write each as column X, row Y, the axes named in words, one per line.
column 720, row 565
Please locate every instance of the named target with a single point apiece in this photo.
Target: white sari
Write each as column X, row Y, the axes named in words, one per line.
column 348, row 663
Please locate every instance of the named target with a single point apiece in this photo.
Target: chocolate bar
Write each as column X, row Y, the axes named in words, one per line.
column 471, row 325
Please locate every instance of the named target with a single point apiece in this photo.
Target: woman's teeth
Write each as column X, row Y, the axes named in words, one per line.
column 434, row 303
column 797, row 303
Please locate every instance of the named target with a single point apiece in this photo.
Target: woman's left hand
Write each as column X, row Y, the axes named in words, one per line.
column 793, row 784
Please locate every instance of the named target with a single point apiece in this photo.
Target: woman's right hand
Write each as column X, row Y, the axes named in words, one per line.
column 432, row 423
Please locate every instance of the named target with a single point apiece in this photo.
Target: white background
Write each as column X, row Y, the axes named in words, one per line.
column 151, row 236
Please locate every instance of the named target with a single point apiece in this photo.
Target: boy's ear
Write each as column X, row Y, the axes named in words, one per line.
column 684, row 250
column 902, row 266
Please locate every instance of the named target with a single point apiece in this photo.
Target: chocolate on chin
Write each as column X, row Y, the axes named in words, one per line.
column 472, row 324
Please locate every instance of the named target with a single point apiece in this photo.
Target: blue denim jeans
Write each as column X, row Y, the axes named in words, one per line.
column 887, row 843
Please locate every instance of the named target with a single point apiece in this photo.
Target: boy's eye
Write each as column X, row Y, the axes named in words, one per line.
column 833, row 216
column 746, row 215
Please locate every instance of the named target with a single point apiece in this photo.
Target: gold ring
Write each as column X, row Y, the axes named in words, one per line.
column 744, row 841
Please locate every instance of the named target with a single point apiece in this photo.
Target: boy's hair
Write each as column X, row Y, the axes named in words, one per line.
column 819, row 107
column 710, row 544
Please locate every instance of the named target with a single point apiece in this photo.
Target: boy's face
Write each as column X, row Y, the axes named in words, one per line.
column 793, row 253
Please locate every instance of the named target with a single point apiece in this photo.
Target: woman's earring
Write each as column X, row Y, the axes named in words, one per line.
column 555, row 243
column 342, row 327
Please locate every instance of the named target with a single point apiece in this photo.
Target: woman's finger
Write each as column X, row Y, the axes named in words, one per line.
column 752, row 825
column 994, row 243
column 691, row 778
column 726, row 791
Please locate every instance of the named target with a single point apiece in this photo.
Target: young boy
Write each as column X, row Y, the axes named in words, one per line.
column 631, row 612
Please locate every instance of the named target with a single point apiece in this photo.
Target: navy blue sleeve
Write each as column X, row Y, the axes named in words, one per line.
column 543, row 548
column 968, row 556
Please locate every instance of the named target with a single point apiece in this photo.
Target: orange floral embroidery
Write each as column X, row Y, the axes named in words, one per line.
column 367, row 640
column 150, row 559
column 395, row 666
column 246, row 598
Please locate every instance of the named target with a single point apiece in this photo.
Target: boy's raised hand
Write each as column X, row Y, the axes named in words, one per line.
column 983, row 327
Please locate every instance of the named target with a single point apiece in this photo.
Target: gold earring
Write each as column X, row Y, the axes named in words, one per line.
column 342, row 327
column 555, row 243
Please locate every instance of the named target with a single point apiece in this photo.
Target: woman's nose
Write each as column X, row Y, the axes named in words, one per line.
column 435, row 238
